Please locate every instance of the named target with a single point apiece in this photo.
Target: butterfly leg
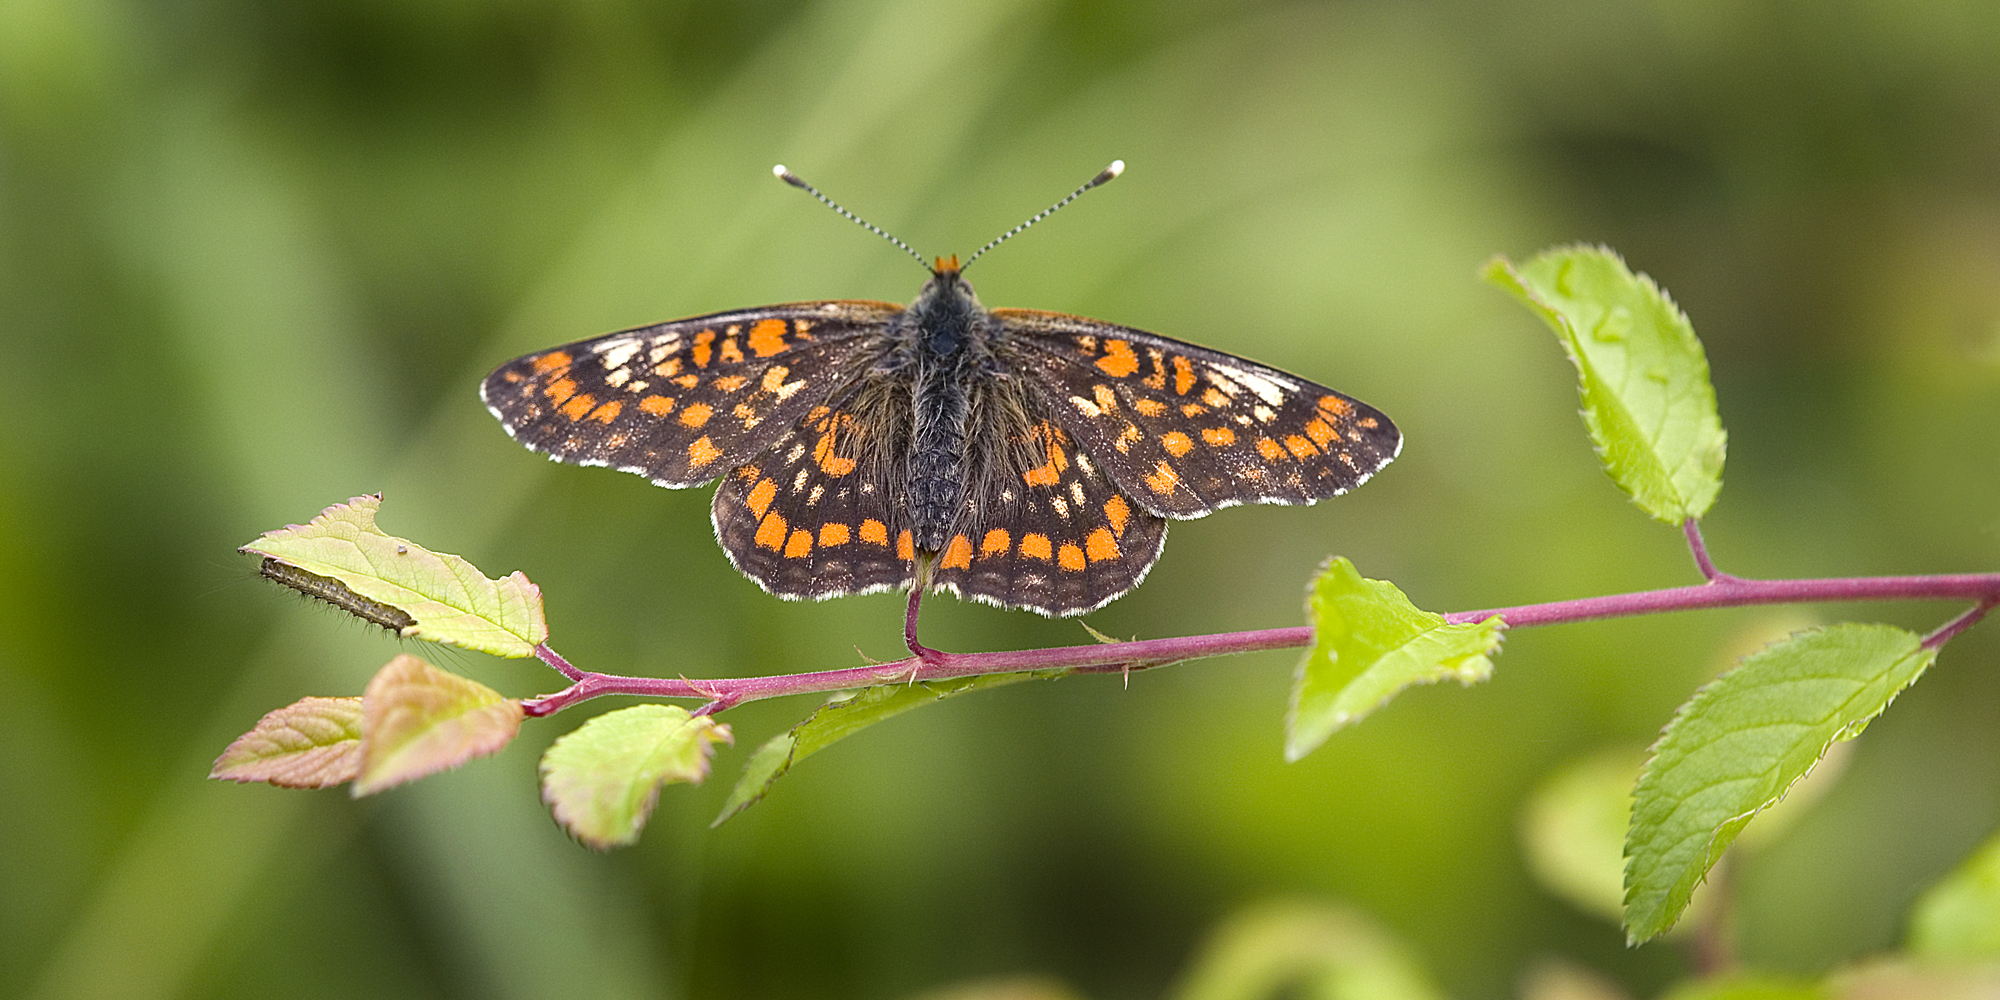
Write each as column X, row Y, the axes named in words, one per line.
column 924, row 653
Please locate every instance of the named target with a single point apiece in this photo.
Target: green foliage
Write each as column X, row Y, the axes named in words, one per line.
column 602, row 780
column 418, row 720
column 311, row 743
column 843, row 717
column 1370, row 642
column 450, row 600
column 1960, row 916
column 1305, row 950
column 1740, row 744
column 1642, row 374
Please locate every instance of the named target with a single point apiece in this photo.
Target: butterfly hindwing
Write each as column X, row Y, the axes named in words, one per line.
column 818, row 513
column 1043, row 528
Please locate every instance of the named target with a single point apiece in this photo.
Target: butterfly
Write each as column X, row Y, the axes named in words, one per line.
column 1021, row 458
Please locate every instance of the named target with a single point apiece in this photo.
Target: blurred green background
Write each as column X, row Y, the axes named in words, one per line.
column 254, row 258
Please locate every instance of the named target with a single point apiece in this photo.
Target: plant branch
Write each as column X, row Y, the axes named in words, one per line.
column 1721, row 591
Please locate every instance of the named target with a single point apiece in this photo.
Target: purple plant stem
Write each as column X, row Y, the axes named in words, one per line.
column 1722, row 590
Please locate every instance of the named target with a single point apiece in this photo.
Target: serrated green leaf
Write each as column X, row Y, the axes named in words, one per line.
column 1960, row 916
column 1306, row 950
column 417, row 720
column 1370, row 642
column 1647, row 399
column 843, row 717
column 1740, row 742
column 311, row 743
column 450, row 600
column 602, row 780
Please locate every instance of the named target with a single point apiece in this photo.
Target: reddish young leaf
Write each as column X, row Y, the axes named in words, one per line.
column 418, row 720
column 311, row 743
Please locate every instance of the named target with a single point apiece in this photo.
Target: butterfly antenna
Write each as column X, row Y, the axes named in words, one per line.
column 797, row 182
column 1104, row 177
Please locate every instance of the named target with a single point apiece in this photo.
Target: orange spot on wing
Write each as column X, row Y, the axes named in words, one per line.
column 1320, row 431
column 771, row 531
column 695, row 414
column 688, row 381
column 874, row 532
column 1149, row 407
column 830, row 463
column 996, row 542
column 767, row 337
column 1118, row 360
column 1336, row 406
column 1117, row 512
column 1163, row 479
column 958, row 553
column 1183, row 376
column 1106, row 399
column 559, row 390
column 1048, row 473
column 904, row 548
column 1269, row 449
column 799, row 545
column 704, row 348
column 702, row 452
column 658, row 406
column 551, row 361
column 1036, row 546
column 1214, row 397
column 1218, row 436
column 579, row 405
column 1157, row 378
column 1176, row 443
column 1070, row 557
column 730, row 353
column 831, row 534
column 1100, row 545
column 668, row 368
column 761, row 496
column 608, row 412
column 730, row 383
column 1299, row 446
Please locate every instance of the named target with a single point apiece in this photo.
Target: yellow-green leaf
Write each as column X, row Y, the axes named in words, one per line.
column 448, row 598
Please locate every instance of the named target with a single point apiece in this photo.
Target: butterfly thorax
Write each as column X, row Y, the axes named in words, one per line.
column 944, row 337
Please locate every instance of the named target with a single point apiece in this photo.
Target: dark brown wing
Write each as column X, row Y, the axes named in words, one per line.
column 1043, row 528
column 1185, row 431
column 684, row 402
column 820, row 513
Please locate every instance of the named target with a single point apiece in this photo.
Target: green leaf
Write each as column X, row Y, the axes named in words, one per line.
column 1647, row 400
column 1960, row 916
column 1306, row 950
column 1370, row 642
column 843, row 717
column 311, row 743
column 449, row 599
column 418, row 720
column 1573, row 830
column 602, row 780
column 1742, row 741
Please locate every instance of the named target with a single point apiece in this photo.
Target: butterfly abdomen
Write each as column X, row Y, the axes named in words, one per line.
column 944, row 330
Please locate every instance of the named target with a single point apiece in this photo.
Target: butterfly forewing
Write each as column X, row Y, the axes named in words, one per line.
column 687, row 401
column 1184, row 430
